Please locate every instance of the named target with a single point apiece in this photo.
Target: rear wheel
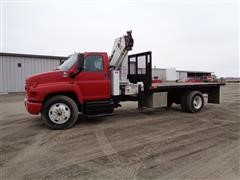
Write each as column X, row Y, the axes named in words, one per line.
column 60, row 112
column 192, row 101
column 195, row 101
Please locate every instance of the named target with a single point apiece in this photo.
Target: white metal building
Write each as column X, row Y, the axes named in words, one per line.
column 172, row 74
column 15, row 68
column 181, row 74
column 158, row 73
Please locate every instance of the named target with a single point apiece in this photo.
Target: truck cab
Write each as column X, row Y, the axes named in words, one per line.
column 82, row 78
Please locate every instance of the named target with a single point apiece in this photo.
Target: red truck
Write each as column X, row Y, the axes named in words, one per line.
column 93, row 83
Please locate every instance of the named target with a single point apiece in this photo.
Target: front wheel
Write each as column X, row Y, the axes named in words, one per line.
column 60, row 112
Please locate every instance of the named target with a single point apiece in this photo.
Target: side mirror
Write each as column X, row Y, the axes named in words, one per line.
column 80, row 64
column 72, row 74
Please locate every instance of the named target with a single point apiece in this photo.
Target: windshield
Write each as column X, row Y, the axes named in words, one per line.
column 68, row 63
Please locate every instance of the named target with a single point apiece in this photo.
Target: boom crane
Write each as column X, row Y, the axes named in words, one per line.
column 120, row 50
column 118, row 67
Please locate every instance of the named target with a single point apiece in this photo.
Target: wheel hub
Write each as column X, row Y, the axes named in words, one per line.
column 197, row 102
column 59, row 113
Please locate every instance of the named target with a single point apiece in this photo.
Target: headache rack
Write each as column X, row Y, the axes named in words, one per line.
column 140, row 69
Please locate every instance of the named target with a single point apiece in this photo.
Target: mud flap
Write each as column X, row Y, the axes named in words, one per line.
column 214, row 95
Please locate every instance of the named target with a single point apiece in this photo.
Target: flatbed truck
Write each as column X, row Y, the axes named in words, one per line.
column 94, row 83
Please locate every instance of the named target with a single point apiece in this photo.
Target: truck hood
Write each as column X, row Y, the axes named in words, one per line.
column 48, row 77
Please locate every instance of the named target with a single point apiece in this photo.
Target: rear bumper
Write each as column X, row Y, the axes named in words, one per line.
column 33, row 107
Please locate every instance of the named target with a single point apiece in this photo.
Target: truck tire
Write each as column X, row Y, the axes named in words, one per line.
column 194, row 101
column 59, row 112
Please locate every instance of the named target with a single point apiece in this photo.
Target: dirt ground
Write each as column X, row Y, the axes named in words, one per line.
column 153, row 144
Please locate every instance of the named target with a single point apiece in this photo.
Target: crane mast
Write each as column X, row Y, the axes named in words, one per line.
column 120, row 50
column 119, row 67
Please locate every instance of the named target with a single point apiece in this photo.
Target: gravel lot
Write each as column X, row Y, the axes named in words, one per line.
column 152, row 144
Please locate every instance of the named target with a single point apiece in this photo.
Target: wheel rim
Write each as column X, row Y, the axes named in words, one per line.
column 59, row 113
column 197, row 102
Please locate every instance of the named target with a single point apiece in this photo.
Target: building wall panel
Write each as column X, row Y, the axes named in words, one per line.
column 12, row 77
column 159, row 73
column 182, row 75
column 1, row 75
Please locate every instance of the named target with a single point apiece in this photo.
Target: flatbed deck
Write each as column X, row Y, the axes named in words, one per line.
column 172, row 85
column 178, row 88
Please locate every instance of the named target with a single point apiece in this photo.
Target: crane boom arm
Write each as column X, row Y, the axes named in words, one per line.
column 120, row 49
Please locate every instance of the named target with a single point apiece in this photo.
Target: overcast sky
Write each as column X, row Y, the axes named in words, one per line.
column 187, row 35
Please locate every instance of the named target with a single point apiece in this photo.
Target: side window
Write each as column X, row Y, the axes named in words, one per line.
column 93, row 63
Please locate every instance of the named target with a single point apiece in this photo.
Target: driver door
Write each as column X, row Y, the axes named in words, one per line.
column 93, row 81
